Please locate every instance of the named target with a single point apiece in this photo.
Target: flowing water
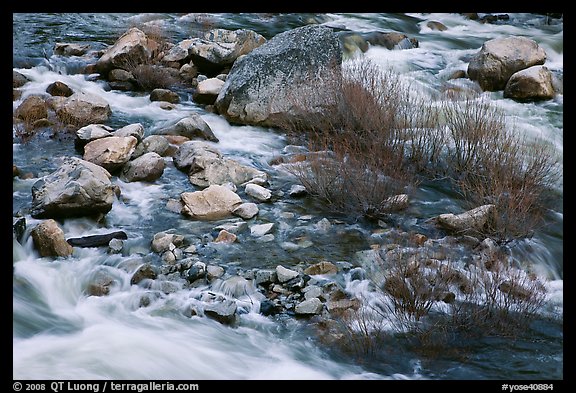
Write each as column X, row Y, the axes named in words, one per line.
column 61, row 333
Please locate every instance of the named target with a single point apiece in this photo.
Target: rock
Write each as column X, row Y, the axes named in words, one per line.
column 261, row 229
column 195, row 272
column 77, row 188
column 67, row 49
column 263, row 86
column 192, row 156
column 264, row 276
column 164, row 95
column 33, row 108
column 110, row 153
column 83, row 108
column 49, row 240
column 162, row 241
column 207, row 91
column 90, row 133
column 225, row 237
column 341, row 305
column 115, row 246
column 208, row 171
column 533, row 83
column 18, row 228
column 267, row 308
column 233, row 227
column 220, row 48
column 310, row 306
column 99, row 284
column 60, row 89
column 179, row 52
column 213, row 272
column 223, row 312
column 136, row 130
column 499, row 58
column 312, row 291
column 284, row 274
column 258, row 192
column 96, row 240
column 246, row 210
column 470, row 221
column 391, row 40
column 131, row 49
column 148, row 168
column 191, row 127
column 152, row 144
column 435, row 25
column 146, row 271
column 297, row 190
column 213, row 203
column 323, row 267
column 323, row 225
column 18, row 80
column 120, row 75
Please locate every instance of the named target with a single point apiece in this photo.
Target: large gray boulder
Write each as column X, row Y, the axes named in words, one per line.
column 223, row 170
column 265, row 86
column 111, row 152
column 191, row 127
column 534, row 83
column 78, row 188
column 131, row 49
column 499, row 58
column 81, row 109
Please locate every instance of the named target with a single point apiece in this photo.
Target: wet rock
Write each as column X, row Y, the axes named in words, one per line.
column 213, row 272
column 264, row 277
column 533, row 83
column 297, row 190
column 191, row 127
column 312, row 291
column 212, row 203
column 60, row 89
column 233, row 227
column 146, row 271
column 18, row 80
column 192, row 156
column 110, row 153
column 152, row 144
column 435, row 25
column 81, row 109
column 99, row 284
column 96, row 240
column 115, row 246
column 210, row 171
column 119, row 75
column 164, row 95
column 258, row 192
column 196, row 271
column 49, row 240
column 77, row 188
column 162, row 241
column 499, row 58
column 391, row 40
column 262, row 86
column 223, row 311
column 283, row 274
column 225, row 237
column 148, row 168
column 18, row 228
column 309, row 307
column 90, row 133
column 267, row 308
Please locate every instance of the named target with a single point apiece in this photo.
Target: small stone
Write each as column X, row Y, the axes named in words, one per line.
column 261, row 229
column 285, row 274
column 225, row 237
column 258, row 192
column 310, row 306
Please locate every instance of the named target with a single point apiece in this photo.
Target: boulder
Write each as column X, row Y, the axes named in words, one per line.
column 191, row 127
column 83, row 108
column 391, row 40
column 246, row 210
column 499, row 58
column 221, row 171
column 78, row 188
column 49, row 240
column 110, row 153
column 96, row 240
column 207, row 91
column 135, row 129
column 164, row 95
column 59, row 89
column 152, row 144
column 309, row 307
column 220, row 48
column 90, row 133
column 283, row 274
column 533, row 83
column 192, row 156
column 131, row 49
column 223, row 312
column 263, row 86
column 33, row 108
column 258, row 192
column 67, row 49
column 147, row 167
column 212, row 203
column 146, row 271
column 261, row 229
column 470, row 221
column 18, row 80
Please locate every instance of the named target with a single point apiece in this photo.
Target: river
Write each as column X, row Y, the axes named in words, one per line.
column 61, row 333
